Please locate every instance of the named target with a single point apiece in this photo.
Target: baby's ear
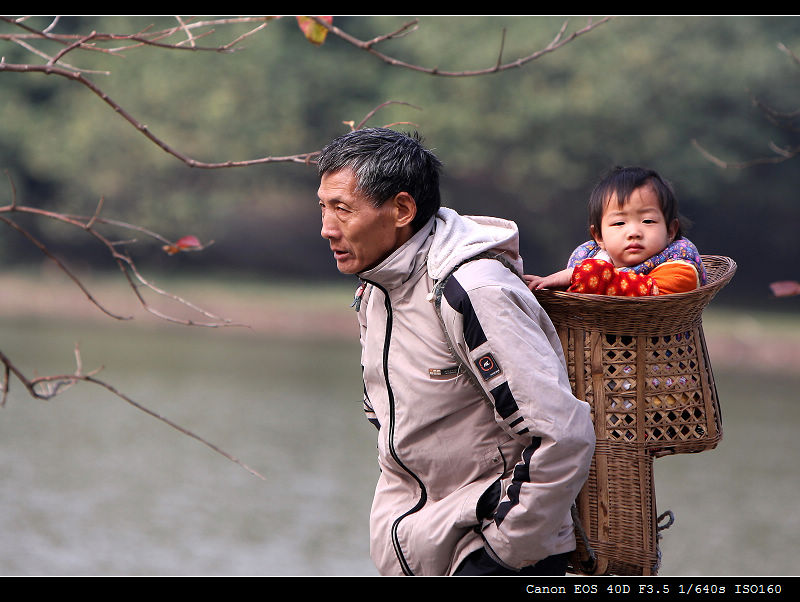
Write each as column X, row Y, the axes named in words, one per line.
column 595, row 232
column 673, row 229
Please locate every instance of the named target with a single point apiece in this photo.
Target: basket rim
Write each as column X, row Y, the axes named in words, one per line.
column 710, row 288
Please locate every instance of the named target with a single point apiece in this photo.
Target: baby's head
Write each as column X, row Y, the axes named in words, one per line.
column 633, row 215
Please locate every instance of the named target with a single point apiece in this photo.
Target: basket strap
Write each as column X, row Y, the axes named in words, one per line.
column 667, row 514
column 586, row 567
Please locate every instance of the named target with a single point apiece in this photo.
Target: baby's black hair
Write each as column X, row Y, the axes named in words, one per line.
column 621, row 182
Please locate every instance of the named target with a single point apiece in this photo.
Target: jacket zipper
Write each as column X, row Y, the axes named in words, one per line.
column 423, row 493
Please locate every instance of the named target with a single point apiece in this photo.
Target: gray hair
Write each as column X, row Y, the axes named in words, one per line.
column 386, row 163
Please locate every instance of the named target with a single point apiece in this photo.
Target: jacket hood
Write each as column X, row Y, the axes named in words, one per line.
column 460, row 237
column 447, row 240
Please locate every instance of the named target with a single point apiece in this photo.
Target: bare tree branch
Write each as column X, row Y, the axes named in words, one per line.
column 784, row 120
column 781, row 155
column 89, row 42
column 189, row 32
column 78, row 77
column 118, row 254
column 369, row 46
column 47, row 387
column 371, row 114
column 61, row 266
column 141, row 38
column 782, row 47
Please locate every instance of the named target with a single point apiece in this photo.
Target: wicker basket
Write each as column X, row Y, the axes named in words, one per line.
column 617, row 512
column 642, row 365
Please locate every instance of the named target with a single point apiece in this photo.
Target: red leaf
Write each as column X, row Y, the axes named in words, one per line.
column 314, row 32
column 785, row 288
column 185, row 243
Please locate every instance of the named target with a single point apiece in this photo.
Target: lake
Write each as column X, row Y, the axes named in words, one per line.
column 94, row 486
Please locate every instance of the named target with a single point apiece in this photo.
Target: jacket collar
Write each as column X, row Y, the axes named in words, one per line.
column 405, row 262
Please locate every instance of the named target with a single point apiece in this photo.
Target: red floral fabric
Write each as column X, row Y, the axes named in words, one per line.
column 599, row 277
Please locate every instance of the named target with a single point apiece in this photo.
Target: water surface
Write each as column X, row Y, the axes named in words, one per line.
column 93, row 486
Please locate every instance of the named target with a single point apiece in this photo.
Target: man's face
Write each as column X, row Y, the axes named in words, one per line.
column 360, row 235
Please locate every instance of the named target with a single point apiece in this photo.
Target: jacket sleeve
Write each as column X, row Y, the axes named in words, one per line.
column 510, row 345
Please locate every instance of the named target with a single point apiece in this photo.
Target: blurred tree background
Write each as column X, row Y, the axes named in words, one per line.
column 527, row 144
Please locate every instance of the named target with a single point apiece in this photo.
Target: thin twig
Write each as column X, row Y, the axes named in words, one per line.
column 52, row 25
column 142, row 128
column 92, row 221
column 502, row 46
column 141, row 38
column 4, row 385
column 789, row 53
column 47, row 387
column 189, row 36
column 63, row 267
column 247, row 34
column 73, row 46
column 13, row 205
column 43, row 55
column 371, row 114
column 784, row 120
column 124, row 261
column 782, row 155
column 369, row 46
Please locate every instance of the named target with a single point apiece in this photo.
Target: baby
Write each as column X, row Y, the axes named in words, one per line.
column 637, row 247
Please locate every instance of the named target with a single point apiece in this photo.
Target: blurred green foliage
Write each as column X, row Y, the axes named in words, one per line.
column 527, row 144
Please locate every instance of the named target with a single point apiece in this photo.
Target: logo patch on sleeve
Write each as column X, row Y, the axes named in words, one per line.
column 487, row 366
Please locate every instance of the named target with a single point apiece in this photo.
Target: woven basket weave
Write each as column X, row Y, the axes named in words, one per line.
column 617, row 512
column 642, row 365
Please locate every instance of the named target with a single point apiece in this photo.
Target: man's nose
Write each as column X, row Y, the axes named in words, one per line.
column 328, row 230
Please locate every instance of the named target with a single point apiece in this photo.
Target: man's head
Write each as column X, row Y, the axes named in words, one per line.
column 377, row 188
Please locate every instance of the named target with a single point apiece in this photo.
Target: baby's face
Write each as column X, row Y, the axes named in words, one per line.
column 636, row 231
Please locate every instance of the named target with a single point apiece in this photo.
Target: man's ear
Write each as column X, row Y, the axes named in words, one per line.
column 597, row 237
column 405, row 209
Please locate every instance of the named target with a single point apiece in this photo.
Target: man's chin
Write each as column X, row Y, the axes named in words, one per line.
column 345, row 267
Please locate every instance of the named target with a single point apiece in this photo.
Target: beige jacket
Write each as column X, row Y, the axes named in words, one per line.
column 493, row 455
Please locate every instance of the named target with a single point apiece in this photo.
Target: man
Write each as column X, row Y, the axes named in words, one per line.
column 481, row 445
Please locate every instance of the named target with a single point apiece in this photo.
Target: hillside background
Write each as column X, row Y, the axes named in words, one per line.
column 527, row 144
